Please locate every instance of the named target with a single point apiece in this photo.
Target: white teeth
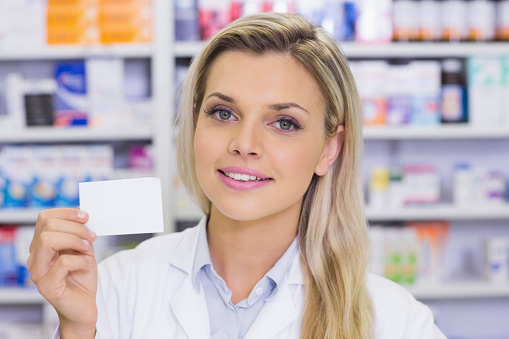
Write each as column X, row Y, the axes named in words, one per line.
column 242, row 177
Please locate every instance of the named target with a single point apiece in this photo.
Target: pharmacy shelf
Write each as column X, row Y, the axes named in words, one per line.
column 76, row 52
column 440, row 132
column 14, row 216
column 75, row 134
column 470, row 290
column 440, row 212
column 390, row 50
column 16, row 296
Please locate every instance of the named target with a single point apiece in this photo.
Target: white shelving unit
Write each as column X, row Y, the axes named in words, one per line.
column 470, row 290
column 77, row 52
column 441, row 132
column 20, row 296
column 440, row 212
column 163, row 51
column 73, row 134
column 390, row 50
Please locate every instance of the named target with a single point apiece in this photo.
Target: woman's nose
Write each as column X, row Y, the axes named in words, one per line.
column 247, row 140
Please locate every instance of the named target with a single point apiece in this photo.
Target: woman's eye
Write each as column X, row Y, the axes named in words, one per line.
column 223, row 115
column 285, row 124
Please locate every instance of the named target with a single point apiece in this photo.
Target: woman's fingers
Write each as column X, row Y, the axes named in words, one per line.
column 48, row 218
column 53, row 285
column 47, row 249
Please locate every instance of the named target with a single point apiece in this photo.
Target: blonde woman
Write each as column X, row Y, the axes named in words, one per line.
column 269, row 145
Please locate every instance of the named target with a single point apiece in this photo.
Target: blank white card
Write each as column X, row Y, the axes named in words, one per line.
column 128, row 206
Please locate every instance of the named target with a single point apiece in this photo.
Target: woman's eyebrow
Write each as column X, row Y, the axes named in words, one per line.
column 222, row 97
column 276, row 107
column 285, row 105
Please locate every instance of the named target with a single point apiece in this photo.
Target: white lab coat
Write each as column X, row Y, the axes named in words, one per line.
column 148, row 293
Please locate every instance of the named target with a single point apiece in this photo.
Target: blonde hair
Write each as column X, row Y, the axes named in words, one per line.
column 332, row 228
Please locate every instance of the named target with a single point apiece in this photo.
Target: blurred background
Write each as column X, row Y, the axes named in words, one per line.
column 88, row 92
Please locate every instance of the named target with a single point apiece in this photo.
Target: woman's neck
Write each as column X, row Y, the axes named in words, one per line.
column 243, row 252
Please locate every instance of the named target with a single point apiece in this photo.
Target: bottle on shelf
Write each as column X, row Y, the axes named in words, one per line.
column 481, row 20
column 453, row 18
column 454, row 108
column 428, row 20
column 502, row 20
column 405, row 26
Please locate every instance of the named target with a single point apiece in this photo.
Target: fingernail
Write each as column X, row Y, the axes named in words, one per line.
column 82, row 214
column 92, row 234
column 86, row 242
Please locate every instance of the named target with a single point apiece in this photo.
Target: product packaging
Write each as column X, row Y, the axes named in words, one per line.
column 502, row 20
column 505, row 90
column 484, row 91
column 22, row 24
column 71, row 100
column 426, row 93
column 312, row 11
column 463, row 193
column 14, row 92
column 481, row 20
column 186, row 20
column 18, row 175
column 46, row 174
column 374, row 21
column 73, row 161
column 431, row 239
column 128, row 21
column 99, row 162
column 379, row 188
column 429, row 20
column 8, row 268
column 454, row 98
column 454, row 20
column 73, row 23
column 371, row 77
column 213, row 16
column 400, row 95
column 404, row 13
column 38, row 101
column 421, row 184
column 105, row 92
column 497, row 259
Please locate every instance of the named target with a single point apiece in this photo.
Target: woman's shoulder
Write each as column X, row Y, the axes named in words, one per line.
column 398, row 314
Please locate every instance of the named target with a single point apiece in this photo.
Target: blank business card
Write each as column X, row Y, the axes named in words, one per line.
column 129, row 206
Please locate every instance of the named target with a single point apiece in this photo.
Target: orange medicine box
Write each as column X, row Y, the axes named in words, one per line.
column 125, row 34
column 72, row 23
column 125, row 22
column 130, row 14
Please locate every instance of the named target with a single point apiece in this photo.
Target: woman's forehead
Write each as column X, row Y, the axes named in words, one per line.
column 273, row 76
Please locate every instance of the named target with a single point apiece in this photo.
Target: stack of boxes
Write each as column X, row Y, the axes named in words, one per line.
column 98, row 21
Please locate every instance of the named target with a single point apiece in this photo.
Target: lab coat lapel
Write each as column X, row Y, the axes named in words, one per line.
column 277, row 314
column 188, row 305
column 190, row 309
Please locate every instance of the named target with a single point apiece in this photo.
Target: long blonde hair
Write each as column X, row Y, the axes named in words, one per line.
column 332, row 228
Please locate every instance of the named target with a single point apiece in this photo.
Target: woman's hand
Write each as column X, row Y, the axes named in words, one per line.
column 63, row 265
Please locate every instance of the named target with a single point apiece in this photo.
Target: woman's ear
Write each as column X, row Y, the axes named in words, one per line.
column 331, row 151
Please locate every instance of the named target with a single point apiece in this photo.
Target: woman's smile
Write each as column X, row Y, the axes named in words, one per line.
column 238, row 178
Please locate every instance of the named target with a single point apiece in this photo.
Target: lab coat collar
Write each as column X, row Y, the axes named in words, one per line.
column 190, row 306
column 183, row 257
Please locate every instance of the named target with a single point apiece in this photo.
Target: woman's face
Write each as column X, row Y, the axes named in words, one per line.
column 259, row 135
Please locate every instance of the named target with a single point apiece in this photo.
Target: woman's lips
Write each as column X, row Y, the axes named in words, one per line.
column 243, row 179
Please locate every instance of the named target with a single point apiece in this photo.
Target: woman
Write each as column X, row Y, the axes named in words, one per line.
column 269, row 145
